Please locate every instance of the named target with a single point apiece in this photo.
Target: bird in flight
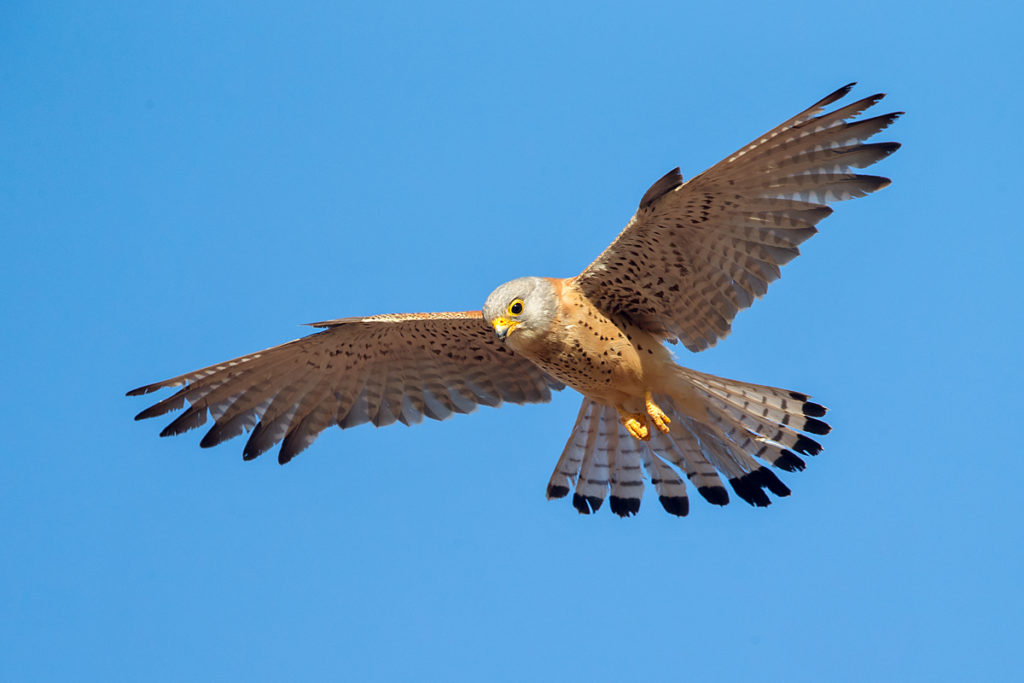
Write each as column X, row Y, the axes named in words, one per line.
column 693, row 255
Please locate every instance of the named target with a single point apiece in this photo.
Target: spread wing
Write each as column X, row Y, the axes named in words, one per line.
column 696, row 253
column 378, row 369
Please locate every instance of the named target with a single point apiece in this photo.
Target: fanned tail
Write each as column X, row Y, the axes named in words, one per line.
column 718, row 425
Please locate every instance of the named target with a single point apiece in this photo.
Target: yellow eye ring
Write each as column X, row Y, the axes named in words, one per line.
column 516, row 307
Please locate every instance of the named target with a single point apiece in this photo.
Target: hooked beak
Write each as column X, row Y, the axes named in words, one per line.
column 502, row 327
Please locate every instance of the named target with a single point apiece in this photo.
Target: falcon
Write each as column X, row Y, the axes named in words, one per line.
column 693, row 255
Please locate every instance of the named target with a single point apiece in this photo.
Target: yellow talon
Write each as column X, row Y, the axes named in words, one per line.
column 635, row 424
column 637, row 428
column 658, row 416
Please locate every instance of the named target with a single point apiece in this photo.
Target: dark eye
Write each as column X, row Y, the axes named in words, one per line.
column 516, row 307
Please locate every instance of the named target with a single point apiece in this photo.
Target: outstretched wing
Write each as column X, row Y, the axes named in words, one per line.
column 696, row 253
column 379, row 369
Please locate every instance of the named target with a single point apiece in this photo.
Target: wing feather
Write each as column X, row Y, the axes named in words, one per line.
column 380, row 369
column 696, row 253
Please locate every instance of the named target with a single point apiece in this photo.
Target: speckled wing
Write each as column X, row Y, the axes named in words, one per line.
column 696, row 253
column 380, row 369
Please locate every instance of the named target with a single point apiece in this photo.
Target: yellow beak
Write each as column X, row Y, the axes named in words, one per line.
column 502, row 327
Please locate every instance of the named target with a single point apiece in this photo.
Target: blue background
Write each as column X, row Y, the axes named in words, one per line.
column 181, row 185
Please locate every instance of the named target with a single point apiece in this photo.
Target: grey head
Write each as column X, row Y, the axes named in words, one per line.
column 522, row 310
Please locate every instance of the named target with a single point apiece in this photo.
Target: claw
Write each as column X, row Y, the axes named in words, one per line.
column 637, row 428
column 635, row 424
column 658, row 416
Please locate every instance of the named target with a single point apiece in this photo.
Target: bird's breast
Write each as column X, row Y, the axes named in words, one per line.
column 599, row 357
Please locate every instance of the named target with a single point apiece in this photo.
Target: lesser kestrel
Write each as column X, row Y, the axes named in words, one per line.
column 694, row 254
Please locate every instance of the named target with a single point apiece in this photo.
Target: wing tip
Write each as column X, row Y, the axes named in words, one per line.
column 168, row 405
column 839, row 93
column 661, row 187
column 874, row 183
column 150, row 388
column 187, row 421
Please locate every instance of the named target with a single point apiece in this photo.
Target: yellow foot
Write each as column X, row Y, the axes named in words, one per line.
column 635, row 424
column 658, row 416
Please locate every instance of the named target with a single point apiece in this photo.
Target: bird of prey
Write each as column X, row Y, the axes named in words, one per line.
column 693, row 255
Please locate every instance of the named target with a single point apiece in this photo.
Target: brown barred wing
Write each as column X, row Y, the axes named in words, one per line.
column 380, row 369
column 696, row 253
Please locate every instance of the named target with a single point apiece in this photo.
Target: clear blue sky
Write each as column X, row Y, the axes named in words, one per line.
column 182, row 185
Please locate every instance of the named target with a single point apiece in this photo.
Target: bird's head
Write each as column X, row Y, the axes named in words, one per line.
column 521, row 310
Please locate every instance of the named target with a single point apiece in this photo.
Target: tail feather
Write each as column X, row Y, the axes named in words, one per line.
column 758, row 399
column 739, row 427
column 747, row 478
column 601, row 458
column 790, row 413
column 627, row 477
column 581, row 442
column 683, row 450
column 668, row 484
column 761, row 426
column 758, row 446
column 592, row 485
